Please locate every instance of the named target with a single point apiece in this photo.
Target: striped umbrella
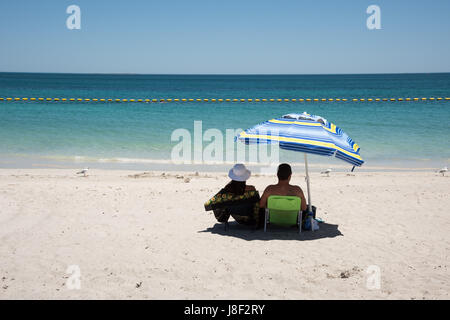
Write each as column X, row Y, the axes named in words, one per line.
column 305, row 133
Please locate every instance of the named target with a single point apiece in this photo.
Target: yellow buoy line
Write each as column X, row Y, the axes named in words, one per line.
column 154, row 100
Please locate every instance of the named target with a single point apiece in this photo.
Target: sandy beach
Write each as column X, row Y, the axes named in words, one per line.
column 136, row 235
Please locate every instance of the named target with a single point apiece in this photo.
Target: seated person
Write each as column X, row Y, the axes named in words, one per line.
column 283, row 188
column 237, row 199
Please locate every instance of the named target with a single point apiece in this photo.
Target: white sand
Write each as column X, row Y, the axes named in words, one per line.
column 123, row 231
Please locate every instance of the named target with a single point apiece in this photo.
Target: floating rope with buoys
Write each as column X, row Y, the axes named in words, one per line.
column 160, row 100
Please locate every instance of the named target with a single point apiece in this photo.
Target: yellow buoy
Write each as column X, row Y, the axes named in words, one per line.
column 49, row 99
column 424, row 98
column 377, row 99
column 32, row 99
column 408, row 99
column 324, row 99
column 344, row 99
column 87, row 99
column 154, row 100
column 330, row 99
column 431, row 99
column 370, row 99
column 438, row 98
column 220, row 100
column 316, row 99
column 24, row 99
column 64, row 99
column 9, row 99
column 256, row 100
column 447, row 99
column 362, row 99
column 301, row 99
column 249, row 100
column 56, row 99
column 355, row 99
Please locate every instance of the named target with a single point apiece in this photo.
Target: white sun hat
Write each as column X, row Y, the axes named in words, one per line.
column 239, row 173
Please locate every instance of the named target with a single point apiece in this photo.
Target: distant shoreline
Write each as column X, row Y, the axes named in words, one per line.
column 139, row 164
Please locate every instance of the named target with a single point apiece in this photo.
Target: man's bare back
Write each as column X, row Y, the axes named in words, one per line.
column 283, row 188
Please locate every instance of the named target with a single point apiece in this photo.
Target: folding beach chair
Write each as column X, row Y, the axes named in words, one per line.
column 284, row 211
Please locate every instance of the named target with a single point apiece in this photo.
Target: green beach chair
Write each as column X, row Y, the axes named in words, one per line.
column 284, row 211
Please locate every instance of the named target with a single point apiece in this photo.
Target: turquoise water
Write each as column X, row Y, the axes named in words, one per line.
column 389, row 133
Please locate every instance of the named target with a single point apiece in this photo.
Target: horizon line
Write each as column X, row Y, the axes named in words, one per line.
column 224, row 74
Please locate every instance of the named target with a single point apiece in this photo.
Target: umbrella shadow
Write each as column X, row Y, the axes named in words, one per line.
column 274, row 232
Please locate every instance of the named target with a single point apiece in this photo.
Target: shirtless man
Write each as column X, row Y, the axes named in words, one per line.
column 283, row 188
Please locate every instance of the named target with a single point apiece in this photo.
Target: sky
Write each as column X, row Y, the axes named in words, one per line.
column 225, row 37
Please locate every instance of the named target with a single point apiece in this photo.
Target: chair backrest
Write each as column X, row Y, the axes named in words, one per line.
column 283, row 210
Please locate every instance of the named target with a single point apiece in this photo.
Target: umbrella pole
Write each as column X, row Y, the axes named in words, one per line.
column 307, row 184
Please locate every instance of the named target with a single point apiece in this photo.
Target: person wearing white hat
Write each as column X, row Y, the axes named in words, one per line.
column 239, row 174
column 237, row 200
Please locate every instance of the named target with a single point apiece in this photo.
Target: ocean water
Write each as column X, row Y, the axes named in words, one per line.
column 400, row 133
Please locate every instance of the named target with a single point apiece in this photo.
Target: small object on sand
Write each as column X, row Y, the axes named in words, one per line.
column 187, row 180
column 138, row 284
column 327, row 172
column 83, row 172
column 345, row 274
column 443, row 170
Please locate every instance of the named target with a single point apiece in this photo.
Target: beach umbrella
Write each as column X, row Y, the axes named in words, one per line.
column 305, row 133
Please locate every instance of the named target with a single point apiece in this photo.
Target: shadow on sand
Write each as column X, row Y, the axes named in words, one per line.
column 274, row 232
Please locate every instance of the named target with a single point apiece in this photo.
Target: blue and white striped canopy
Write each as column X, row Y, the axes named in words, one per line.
column 305, row 133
